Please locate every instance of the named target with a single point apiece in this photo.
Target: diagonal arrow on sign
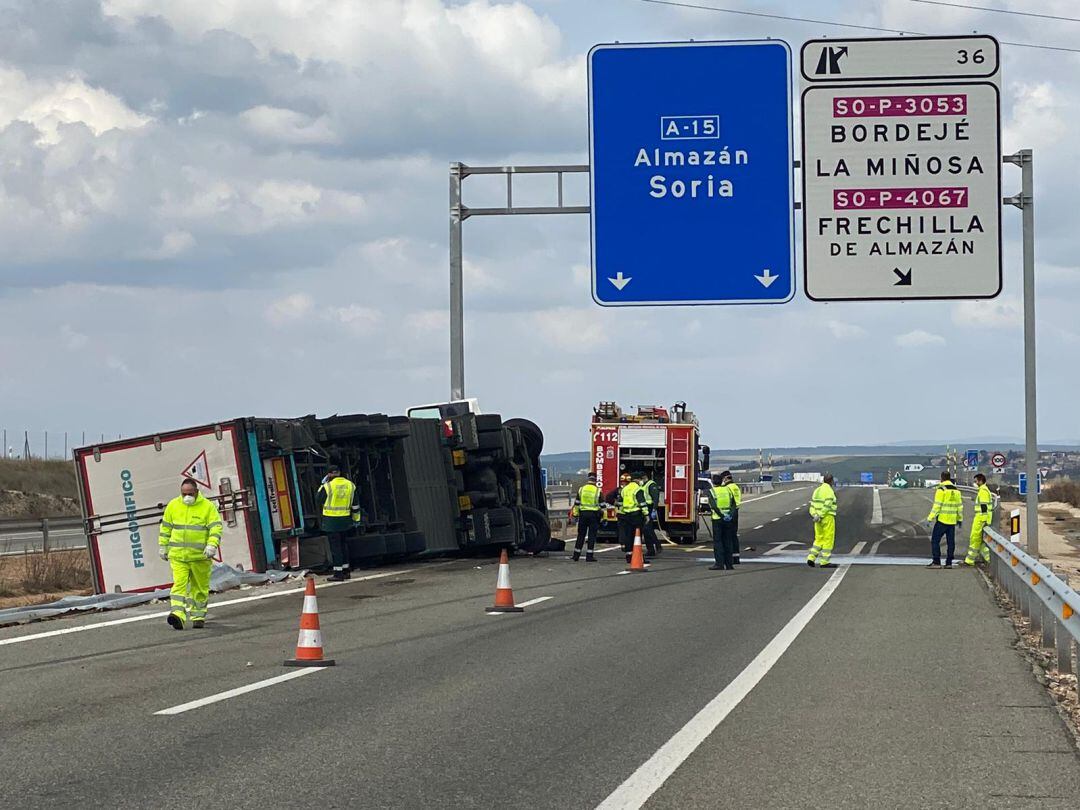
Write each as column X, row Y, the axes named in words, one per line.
column 620, row 280
column 904, row 278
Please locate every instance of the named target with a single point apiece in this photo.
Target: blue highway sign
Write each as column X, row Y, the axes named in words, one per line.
column 691, row 156
column 866, row 478
column 1022, row 484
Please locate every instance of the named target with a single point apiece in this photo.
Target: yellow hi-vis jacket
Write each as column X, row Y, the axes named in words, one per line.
column 631, row 499
column 588, row 498
column 948, row 504
column 823, row 502
column 984, row 504
column 187, row 530
column 722, row 502
column 340, row 504
column 736, row 493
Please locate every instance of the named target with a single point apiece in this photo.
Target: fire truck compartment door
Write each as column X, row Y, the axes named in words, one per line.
column 642, row 437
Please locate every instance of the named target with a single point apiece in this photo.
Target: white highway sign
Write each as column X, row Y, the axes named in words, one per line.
column 901, row 166
column 900, row 59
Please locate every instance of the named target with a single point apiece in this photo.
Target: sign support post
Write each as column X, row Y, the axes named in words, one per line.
column 1026, row 203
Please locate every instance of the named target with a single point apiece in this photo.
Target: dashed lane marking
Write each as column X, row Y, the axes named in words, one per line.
column 762, row 526
column 857, row 548
column 213, row 606
column 242, row 690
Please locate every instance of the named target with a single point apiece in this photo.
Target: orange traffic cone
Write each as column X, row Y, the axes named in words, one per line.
column 309, row 651
column 504, row 596
column 637, row 559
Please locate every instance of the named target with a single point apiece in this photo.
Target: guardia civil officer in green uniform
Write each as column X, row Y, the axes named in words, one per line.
column 722, row 504
column 650, row 491
column 340, row 502
column 587, row 509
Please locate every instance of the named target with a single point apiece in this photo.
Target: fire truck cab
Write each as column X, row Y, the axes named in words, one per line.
column 661, row 440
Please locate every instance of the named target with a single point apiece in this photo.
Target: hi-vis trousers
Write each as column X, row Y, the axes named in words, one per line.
column 824, row 537
column 191, row 589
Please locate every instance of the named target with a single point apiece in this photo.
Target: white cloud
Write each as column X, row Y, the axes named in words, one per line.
column 845, row 331
column 1037, row 116
column 998, row 313
column 357, row 320
column 918, row 338
column 50, row 104
column 172, row 245
column 73, row 340
column 290, row 309
column 574, row 330
column 117, row 364
column 289, row 126
column 428, row 321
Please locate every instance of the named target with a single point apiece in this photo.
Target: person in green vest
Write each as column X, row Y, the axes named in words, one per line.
column 984, row 516
column 946, row 515
column 339, row 500
column 823, row 512
column 736, row 503
column 630, row 501
column 722, row 506
column 587, row 508
column 650, row 491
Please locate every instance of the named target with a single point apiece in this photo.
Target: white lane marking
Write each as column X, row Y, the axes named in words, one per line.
column 240, row 690
column 788, row 513
column 646, row 780
column 213, row 606
column 762, row 526
column 876, row 517
column 857, row 549
column 535, row 601
column 877, row 545
column 780, row 547
column 774, row 520
column 771, row 494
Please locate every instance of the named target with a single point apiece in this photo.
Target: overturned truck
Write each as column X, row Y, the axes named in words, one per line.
column 443, row 480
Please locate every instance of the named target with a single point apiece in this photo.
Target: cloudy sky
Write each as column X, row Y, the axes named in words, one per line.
column 239, row 207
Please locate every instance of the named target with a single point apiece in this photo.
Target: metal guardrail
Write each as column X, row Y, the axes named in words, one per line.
column 43, row 526
column 1041, row 596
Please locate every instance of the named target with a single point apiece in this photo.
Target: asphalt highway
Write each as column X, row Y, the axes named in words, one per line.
column 872, row 685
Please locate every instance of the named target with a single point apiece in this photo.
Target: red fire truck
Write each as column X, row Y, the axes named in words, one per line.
column 668, row 443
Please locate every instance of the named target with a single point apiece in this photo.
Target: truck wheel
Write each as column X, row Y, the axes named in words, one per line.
column 531, row 434
column 537, row 530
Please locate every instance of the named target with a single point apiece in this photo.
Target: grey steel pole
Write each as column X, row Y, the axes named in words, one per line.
column 1031, row 444
column 457, row 299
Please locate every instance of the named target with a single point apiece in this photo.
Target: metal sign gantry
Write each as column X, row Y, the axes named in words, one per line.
column 459, row 212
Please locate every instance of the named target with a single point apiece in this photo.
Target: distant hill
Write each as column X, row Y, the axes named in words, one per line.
column 569, row 463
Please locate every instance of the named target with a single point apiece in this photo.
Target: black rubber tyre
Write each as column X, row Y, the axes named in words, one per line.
column 531, row 434
column 537, row 530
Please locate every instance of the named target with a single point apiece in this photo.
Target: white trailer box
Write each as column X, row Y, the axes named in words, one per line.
column 125, row 486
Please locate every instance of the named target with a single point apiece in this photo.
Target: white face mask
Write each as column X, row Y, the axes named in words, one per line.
column 189, row 499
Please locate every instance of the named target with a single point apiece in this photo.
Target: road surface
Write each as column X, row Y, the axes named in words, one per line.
column 876, row 685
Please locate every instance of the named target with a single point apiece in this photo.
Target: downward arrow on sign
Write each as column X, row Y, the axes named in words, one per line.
column 620, row 280
column 766, row 277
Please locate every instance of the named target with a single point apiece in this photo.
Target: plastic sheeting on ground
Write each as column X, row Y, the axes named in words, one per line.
column 222, row 578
